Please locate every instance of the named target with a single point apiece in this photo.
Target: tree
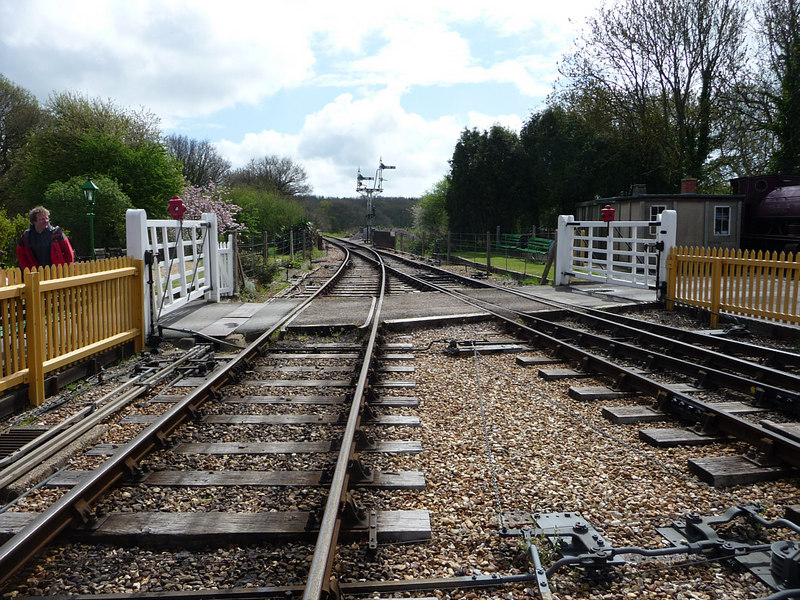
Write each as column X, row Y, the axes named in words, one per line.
column 19, row 115
column 11, row 229
column 272, row 172
column 212, row 199
column 266, row 210
column 68, row 209
column 663, row 67
column 485, row 188
column 202, row 164
column 780, row 84
column 81, row 137
column 430, row 213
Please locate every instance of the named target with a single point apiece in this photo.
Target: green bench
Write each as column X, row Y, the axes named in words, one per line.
column 524, row 242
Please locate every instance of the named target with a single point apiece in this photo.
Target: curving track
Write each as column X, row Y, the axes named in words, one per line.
column 272, row 413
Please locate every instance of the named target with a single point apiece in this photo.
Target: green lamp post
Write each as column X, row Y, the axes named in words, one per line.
column 89, row 188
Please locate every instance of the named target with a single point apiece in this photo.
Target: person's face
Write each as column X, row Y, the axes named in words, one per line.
column 41, row 222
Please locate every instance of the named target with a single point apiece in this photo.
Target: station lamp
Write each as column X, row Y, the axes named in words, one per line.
column 89, row 188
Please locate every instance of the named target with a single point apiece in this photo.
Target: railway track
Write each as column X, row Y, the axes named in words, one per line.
column 483, row 494
column 675, row 367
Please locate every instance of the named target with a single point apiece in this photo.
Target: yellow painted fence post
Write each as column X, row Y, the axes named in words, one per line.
column 716, row 286
column 34, row 333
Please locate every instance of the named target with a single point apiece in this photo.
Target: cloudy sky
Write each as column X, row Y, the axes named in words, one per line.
column 334, row 85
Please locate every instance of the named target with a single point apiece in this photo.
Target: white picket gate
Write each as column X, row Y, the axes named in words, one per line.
column 184, row 261
column 630, row 253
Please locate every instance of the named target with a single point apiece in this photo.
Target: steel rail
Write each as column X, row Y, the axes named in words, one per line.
column 764, row 383
column 74, row 507
column 318, row 578
column 33, row 453
column 727, row 345
column 770, row 444
column 711, row 358
column 786, row 398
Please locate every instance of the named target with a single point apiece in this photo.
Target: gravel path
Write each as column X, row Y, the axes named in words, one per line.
column 548, row 453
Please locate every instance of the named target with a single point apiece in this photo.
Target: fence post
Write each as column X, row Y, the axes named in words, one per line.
column 211, row 252
column 448, row 247
column 34, row 333
column 488, row 252
column 716, row 287
column 137, row 305
column 672, row 276
column 564, row 241
column 136, row 238
column 667, row 234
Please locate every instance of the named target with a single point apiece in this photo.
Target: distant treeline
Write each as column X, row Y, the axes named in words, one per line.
column 341, row 215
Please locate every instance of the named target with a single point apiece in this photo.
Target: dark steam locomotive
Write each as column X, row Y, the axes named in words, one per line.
column 771, row 219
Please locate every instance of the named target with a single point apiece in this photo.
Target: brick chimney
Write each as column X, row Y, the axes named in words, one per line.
column 689, row 185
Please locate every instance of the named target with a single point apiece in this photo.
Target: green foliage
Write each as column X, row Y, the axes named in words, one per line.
column 255, row 267
column 266, row 210
column 11, row 229
column 780, row 28
column 19, row 115
column 660, row 68
column 485, row 189
column 430, row 213
column 69, row 210
column 340, row 215
column 91, row 137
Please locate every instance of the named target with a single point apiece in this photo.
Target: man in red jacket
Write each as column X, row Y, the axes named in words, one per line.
column 42, row 244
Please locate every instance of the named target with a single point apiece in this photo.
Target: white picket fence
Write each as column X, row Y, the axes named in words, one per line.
column 184, row 261
column 630, row 253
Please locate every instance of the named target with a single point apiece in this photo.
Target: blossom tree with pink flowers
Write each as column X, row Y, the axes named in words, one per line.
column 212, row 199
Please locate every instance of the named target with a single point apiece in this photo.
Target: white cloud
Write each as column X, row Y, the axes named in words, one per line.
column 353, row 61
column 348, row 134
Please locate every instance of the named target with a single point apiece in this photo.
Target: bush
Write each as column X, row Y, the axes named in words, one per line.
column 255, row 267
column 11, row 229
column 68, row 209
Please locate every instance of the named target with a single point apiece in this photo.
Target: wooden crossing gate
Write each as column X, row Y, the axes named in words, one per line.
column 184, row 261
column 629, row 253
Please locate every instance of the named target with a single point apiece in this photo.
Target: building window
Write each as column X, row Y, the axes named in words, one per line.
column 722, row 220
column 655, row 211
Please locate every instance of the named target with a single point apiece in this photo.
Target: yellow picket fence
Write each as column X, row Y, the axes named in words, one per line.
column 53, row 317
column 738, row 282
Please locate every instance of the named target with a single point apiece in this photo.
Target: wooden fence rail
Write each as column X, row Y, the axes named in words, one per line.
column 738, row 282
column 53, row 317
